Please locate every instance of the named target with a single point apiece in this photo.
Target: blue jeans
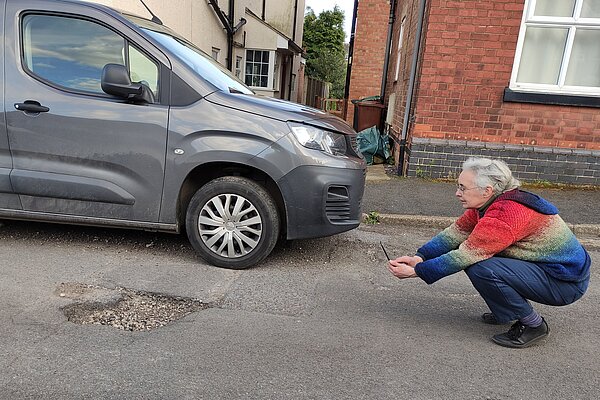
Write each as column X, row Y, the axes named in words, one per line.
column 507, row 285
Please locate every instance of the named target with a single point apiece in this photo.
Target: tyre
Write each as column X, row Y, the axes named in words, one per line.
column 232, row 222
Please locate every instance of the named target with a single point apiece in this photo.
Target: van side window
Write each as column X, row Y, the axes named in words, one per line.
column 142, row 69
column 71, row 53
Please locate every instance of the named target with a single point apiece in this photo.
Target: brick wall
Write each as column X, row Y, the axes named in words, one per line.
column 467, row 63
column 407, row 12
column 441, row 158
column 369, row 51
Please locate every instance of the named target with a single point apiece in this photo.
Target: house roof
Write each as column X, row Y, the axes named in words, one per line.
column 290, row 44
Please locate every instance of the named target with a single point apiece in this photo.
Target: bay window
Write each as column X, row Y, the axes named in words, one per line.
column 259, row 68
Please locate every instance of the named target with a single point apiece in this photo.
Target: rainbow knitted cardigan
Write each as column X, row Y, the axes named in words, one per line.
column 517, row 224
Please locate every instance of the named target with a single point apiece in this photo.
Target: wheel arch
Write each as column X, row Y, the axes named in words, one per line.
column 205, row 173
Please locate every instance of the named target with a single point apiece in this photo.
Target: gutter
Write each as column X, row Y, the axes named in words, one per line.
column 350, row 55
column 411, row 87
column 230, row 33
column 289, row 96
column 441, row 222
column 230, row 30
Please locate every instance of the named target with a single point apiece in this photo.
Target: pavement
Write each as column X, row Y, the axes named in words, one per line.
column 422, row 202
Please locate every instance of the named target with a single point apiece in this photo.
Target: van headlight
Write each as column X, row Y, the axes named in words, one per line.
column 320, row 139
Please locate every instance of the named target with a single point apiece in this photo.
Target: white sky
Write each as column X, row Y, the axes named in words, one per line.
column 346, row 5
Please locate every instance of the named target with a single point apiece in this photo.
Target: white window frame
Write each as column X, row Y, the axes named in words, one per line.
column 399, row 50
column 269, row 72
column 572, row 23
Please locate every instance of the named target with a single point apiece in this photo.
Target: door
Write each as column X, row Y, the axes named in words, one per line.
column 76, row 150
column 8, row 200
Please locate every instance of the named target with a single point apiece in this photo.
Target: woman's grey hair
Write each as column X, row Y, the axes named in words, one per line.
column 494, row 173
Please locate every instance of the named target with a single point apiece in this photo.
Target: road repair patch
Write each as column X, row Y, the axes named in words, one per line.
column 122, row 308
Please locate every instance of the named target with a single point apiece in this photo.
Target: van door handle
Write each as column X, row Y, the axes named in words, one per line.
column 31, row 106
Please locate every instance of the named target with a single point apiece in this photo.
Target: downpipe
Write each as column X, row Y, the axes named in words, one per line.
column 411, row 88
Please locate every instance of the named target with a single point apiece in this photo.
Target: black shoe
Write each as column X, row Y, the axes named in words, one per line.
column 489, row 318
column 519, row 335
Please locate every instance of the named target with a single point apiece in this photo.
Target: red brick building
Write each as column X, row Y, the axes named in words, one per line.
column 511, row 79
column 368, row 55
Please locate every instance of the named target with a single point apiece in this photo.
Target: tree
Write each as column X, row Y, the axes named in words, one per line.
column 323, row 40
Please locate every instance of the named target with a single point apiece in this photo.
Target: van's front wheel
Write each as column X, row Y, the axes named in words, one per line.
column 232, row 222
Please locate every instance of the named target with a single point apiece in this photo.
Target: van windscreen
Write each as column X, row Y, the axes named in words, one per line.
column 201, row 63
column 198, row 60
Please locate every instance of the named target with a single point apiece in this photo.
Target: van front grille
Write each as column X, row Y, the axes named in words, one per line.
column 337, row 205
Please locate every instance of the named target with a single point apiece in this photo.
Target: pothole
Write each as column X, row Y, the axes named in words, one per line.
column 124, row 309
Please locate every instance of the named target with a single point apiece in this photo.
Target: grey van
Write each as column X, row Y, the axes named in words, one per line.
column 109, row 119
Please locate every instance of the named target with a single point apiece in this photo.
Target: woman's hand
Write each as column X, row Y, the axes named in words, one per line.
column 401, row 269
column 408, row 260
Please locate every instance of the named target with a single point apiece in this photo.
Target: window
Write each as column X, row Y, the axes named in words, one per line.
column 558, row 48
column 399, row 50
column 215, row 53
column 259, row 64
column 238, row 67
column 71, row 53
column 142, row 69
column 200, row 62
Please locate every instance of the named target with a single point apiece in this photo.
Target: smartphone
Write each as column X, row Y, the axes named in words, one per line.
column 384, row 252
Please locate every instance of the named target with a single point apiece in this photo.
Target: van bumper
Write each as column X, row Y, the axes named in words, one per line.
column 322, row 201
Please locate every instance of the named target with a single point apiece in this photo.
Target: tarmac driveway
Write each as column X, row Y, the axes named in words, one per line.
column 320, row 319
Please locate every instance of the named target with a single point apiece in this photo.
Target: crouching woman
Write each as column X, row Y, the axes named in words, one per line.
column 513, row 246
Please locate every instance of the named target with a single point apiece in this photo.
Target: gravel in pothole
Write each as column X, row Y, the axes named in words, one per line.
column 123, row 308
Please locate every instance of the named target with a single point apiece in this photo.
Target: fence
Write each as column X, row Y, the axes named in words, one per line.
column 314, row 89
column 332, row 106
column 316, row 95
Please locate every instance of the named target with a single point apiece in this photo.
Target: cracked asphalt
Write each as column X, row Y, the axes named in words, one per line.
column 319, row 319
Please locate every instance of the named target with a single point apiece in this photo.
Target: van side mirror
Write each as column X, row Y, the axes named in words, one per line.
column 116, row 81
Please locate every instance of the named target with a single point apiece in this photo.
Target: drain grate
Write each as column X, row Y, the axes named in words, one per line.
column 125, row 309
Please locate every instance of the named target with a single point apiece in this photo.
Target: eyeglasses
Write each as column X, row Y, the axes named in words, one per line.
column 463, row 189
